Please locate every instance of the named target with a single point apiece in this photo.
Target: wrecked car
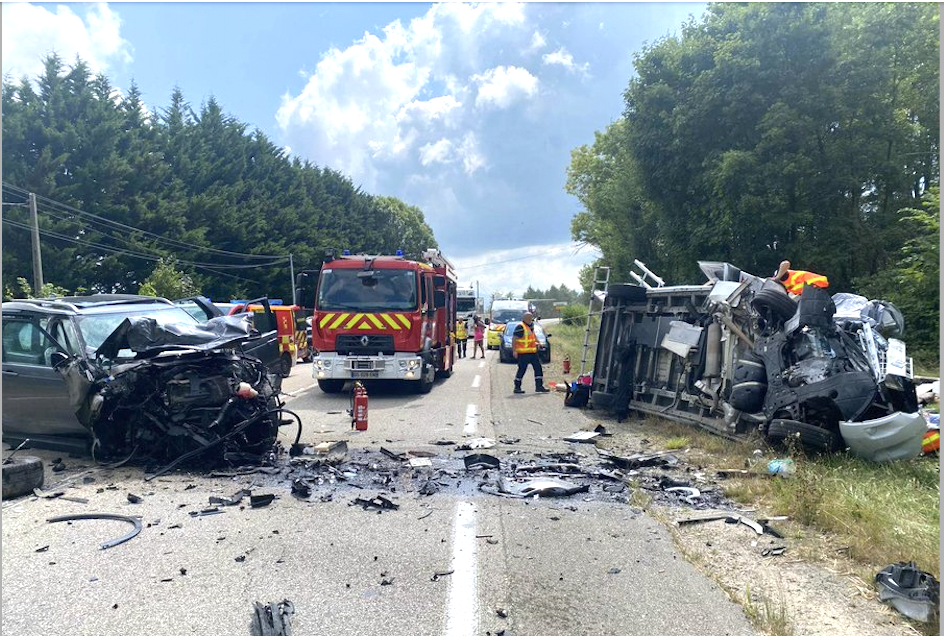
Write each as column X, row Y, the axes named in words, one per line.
column 127, row 376
column 738, row 353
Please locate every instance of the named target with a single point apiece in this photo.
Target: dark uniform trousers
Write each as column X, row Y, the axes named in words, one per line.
column 525, row 359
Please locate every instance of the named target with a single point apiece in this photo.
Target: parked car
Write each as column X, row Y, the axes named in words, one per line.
column 506, row 351
column 500, row 313
column 123, row 374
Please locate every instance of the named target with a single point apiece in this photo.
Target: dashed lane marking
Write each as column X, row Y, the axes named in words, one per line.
column 462, row 619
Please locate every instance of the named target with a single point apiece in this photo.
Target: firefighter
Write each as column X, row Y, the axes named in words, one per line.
column 794, row 279
column 525, row 347
column 462, row 336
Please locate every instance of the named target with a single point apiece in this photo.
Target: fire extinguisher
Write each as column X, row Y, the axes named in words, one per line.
column 359, row 407
column 566, row 364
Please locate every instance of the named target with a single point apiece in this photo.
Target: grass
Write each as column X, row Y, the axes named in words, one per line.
column 879, row 513
column 772, row 618
column 568, row 341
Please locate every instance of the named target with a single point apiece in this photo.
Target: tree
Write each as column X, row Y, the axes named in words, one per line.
column 166, row 281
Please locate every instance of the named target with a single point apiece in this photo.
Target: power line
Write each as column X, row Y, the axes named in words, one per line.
column 520, row 258
column 108, row 222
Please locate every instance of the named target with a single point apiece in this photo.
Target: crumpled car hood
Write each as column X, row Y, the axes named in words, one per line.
column 146, row 335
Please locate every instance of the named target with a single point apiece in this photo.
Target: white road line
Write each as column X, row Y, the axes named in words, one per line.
column 482, row 364
column 471, row 415
column 462, row 619
column 476, row 382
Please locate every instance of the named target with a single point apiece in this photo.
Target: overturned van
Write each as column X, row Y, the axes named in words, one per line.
column 738, row 353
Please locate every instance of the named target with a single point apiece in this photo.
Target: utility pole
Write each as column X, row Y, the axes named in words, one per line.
column 37, row 255
column 291, row 269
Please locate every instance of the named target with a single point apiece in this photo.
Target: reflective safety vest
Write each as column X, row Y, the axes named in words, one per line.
column 797, row 278
column 931, row 441
column 461, row 333
column 526, row 343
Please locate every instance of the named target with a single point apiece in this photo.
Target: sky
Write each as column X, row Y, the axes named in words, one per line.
column 467, row 111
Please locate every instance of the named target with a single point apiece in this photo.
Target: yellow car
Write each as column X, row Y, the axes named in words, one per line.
column 494, row 335
column 503, row 312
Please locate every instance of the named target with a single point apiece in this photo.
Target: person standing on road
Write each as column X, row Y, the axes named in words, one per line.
column 524, row 346
column 478, row 337
column 462, row 336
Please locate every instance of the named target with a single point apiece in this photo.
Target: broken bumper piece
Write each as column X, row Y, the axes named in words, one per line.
column 893, row 437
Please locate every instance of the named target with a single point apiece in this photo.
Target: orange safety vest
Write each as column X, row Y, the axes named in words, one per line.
column 797, row 278
column 526, row 343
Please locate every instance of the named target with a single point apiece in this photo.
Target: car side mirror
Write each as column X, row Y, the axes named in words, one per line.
column 58, row 359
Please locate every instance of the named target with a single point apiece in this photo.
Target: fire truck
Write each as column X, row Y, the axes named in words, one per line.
column 384, row 318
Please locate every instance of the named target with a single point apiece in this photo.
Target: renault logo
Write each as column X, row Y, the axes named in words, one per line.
column 364, row 341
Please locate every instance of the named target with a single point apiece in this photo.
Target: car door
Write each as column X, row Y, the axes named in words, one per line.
column 35, row 396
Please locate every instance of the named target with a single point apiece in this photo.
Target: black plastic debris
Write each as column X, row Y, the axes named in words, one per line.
column 438, row 575
column 231, row 501
column 613, row 571
column 501, row 612
column 205, row 512
column 392, row 455
column 911, row 591
column 57, row 465
column 378, row 503
column 240, row 558
column 135, row 499
column 639, row 460
column 480, row 460
column 42, row 549
column 104, row 515
column 261, row 501
column 602, row 431
column 301, row 489
column 774, row 551
column 272, row 619
column 442, row 442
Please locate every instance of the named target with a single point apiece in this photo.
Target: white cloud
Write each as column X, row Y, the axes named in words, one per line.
column 513, row 270
column 537, row 42
column 562, row 57
column 472, row 158
column 503, row 86
column 31, row 32
column 438, row 152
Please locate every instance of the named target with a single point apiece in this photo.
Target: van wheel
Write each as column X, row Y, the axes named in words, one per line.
column 812, row 437
column 425, row 384
column 779, row 304
column 331, row 386
column 21, row 475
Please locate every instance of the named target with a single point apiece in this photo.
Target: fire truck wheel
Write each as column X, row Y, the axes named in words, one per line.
column 331, row 386
column 21, row 475
column 285, row 365
column 425, row 384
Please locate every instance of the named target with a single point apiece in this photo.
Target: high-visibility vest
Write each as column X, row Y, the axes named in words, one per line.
column 797, row 278
column 461, row 333
column 931, row 441
column 527, row 343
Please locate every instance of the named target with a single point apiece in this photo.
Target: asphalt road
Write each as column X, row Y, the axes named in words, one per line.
column 576, row 565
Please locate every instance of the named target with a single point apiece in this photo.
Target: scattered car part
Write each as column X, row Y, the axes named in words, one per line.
column 729, row 517
column 133, row 498
column 9, row 458
column 21, row 475
column 231, row 501
column 392, row 455
column 774, row 551
column 380, row 503
column 480, row 460
column 582, row 437
column 476, row 444
column 420, row 462
column 301, row 489
column 689, row 494
column 895, row 436
column 639, row 460
column 438, row 575
column 59, row 494
column 911, row 591
column 272, row 619
column 104, row 515
column 261, row 501
column 205, row 512
column 544, row 488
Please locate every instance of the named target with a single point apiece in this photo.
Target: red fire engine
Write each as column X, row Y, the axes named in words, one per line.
column 384, row 318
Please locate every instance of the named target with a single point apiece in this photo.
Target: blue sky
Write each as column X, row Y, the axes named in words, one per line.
column 467, row 111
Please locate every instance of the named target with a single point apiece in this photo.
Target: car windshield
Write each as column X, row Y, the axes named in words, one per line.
column 370, row 290
column 503, row 316
column 96, row 327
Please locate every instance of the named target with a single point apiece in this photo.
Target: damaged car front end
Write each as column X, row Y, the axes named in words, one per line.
column 179, row 393
column 738, row 353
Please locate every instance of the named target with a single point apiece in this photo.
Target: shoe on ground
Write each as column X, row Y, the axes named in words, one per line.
column 519, row 390
column 542, row 390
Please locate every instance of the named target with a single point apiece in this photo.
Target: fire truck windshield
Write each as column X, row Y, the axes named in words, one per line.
column 370, row 290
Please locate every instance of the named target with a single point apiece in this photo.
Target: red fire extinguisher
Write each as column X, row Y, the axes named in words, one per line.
column 359, row 407
column 566, row 364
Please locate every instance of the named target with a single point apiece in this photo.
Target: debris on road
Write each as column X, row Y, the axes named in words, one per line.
column 438, row 575
column 582, row 437
column 476, row 444
column 442, row 442
column 775, row 551
column 392, row 455
column 133, row 498
column 301, row 488
column 688, row 494
column 379, row 503
column 911, row 591
column 231, row 501
column 480, row 460
column 272, row 619
column 260, row 501
column 205, row 512
column 104, row 515
column 420, row 462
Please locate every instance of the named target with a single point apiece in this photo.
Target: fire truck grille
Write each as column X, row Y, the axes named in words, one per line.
column 358, row 346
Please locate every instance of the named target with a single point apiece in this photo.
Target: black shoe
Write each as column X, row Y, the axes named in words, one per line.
column 541, row 389
column 519, row 390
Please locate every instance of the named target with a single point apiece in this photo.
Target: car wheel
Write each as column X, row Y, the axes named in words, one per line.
column 811, row 436
column 21, row 476
column 546, row 355
column 331, row 386
column 779, row 304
